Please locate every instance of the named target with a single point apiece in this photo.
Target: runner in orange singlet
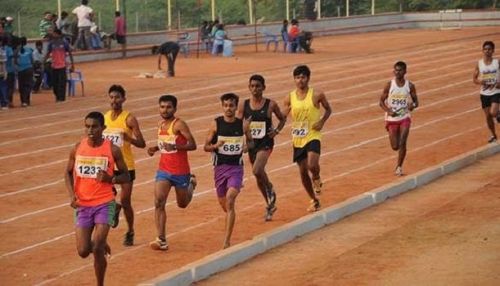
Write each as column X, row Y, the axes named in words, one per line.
column 89, row 179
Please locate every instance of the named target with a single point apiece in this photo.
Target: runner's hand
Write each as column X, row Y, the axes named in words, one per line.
column 318, row 125
column 152, row 150
column 103, row 176
column 73, row 203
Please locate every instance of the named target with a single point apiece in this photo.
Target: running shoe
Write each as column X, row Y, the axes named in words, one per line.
column 159, row 244
column 317, row 184
column 116, row 221
column 192, row 184
column 271, row 196
column 492, row 139
column 128, row 239
column 269, row 212
column 314, row 206
column 399, row 171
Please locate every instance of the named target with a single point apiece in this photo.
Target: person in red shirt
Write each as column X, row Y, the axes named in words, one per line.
column 89, row 180
column 293, row 35
column 58, row 49
column 121, row 32
column 174, row 141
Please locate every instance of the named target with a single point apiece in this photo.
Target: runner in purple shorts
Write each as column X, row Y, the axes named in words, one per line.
column 226, row 142
column 89, row 180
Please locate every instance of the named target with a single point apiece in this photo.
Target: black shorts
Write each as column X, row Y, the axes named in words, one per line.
column 121, row 39
column 260, row 144
column 486, row 100
column 300, row 154
column 131, row 173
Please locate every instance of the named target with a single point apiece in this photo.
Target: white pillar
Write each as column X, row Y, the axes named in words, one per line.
column 169, row 15
column 347, row 8
column 59, row 9
column 287, row 12
column 250, row 11
column 117, row 5
column 373, row 7
column 318, row 8
column 213, row 10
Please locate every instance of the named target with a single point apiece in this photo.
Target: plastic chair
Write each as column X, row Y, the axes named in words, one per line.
column 183, row 41
column 270, row 38
column 73, row 78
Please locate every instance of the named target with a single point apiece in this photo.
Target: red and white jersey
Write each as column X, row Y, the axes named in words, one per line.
column 398, row 101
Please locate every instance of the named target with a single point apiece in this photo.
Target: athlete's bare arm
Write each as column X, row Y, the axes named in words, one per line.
column 123, row 176
column 414, row 98
column 239, row 111
column 182, row 128
column 286, row 106
column 212, row 131
column 160, row 55
column 282, row 118
column 321, row 100
column 383, row 98
column 248, row 135
column 475, row 76
column 138, row 139
column 68, row 177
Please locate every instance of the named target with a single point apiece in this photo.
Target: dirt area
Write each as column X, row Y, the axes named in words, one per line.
column 445, row 233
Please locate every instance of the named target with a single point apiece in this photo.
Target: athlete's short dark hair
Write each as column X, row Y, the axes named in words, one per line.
column 302, row 70
column 229, row 96
column 489, row 43
column 400, row 64
column 97, row 116
column 259, row 78
column 168, row 98
column 117, row 88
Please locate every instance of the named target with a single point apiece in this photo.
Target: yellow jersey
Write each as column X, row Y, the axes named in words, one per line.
column 304, row 115
column 114, row 132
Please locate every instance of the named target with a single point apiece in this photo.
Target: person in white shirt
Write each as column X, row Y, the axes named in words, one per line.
column 487, row 74
column 84, row 14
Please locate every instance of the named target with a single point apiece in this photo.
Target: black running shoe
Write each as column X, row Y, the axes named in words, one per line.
column 128, row 239
column 492, row 139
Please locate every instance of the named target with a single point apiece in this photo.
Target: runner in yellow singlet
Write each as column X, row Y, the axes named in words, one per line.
column 305, row 105
column 122, row 128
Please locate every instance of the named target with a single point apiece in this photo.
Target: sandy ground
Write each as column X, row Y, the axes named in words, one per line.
column 445, row 233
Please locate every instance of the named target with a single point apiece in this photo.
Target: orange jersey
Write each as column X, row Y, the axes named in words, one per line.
column 88, row 161
column 174, row 162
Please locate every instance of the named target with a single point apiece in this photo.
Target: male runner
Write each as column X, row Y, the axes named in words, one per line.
column 259, row 110
column 305, row 105
column 398, row 99
column 226, row 142
column 122, row 128
column 487, row 74
column 174, row 141
column 89, row 180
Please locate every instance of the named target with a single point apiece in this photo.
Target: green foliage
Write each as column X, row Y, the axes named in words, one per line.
column 151, row 15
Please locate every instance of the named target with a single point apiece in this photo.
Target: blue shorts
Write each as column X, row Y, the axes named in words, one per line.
column 181, row 181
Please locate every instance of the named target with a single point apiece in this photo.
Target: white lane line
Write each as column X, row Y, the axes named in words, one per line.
column 226, row 82
column 282, row 194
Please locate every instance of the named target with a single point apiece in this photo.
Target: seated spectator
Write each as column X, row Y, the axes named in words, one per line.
column 95, row 36
column 219, row 37
column 64, row 24
column 46, row 25
column 38, row 56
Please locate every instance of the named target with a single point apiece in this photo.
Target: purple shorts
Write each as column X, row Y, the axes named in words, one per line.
column 88, row 217
column 227, row 176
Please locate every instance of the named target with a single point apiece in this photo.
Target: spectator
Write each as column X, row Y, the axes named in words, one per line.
column 293, row 34
column 38, row 57
column 219, row 37
column 284, row 34
column 95, row 36
column 11, row 71
column 46, row 25
column 64, row 24
column 23, row 58
column 4, row 103
column 57, row 50
column 84, row 15
column 9, row 26
column 2, row 24
column 121, row 32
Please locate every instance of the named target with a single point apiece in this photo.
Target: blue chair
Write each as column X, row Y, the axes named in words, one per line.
column 73, row 78
column 270, row 38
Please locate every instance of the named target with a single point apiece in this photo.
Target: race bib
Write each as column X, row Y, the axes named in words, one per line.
column 166, row 139
column 258, row 129
column 114, row 135
column 300, row 129
column 489, row 78
column 232, row 145
column 399, row 104
column 88, row 167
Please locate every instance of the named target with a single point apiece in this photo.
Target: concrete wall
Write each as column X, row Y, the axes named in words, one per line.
column 140, row 43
